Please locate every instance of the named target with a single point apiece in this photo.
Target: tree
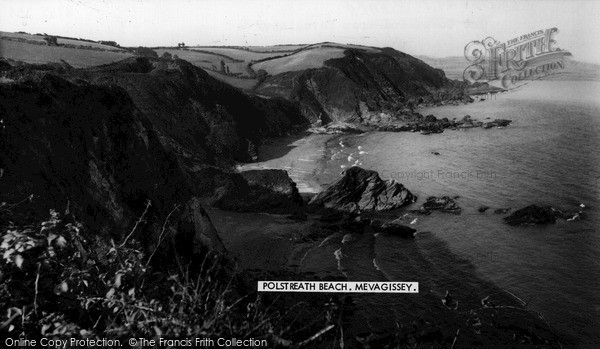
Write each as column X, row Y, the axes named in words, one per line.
column 51, row 40
column 109, row 43
column 261, row 75
column 222, row 67
column 167, row 56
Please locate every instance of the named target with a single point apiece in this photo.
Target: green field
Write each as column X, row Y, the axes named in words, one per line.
column 60, row 41
column 238, row 54
column 276, row 48
column 341, row 46
column 307, row 59
column 199, row 59
column 78, row 58
column 207, row 61
column 274, row 59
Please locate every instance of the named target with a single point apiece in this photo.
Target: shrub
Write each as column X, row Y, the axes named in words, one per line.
column 51, row 40
column 59, row 283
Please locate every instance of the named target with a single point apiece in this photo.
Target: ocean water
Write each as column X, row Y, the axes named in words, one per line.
column 548, row 156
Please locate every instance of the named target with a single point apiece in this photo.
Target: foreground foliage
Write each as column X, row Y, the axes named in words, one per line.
column 58, row 283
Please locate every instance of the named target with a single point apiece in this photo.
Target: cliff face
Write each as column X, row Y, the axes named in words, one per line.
column 87, row 150
column 204, row 121
column 363, row 84
column 107, row 140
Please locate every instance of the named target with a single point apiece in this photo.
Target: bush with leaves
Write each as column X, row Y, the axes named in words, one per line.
column 59, row 283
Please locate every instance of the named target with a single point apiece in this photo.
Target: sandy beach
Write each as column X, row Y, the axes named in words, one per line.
column 301, row 155
column 270, row 242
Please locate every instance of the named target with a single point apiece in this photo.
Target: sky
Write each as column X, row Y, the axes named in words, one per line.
column 428, row 27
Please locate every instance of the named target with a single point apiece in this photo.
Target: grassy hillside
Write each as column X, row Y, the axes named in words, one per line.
column 78, row 58
column 209, row 61
column 241, row 67
column 276, row 48
column 238, row 53
column 305, row 59
column 245, row 62
column 60, row 40
column 78, row 53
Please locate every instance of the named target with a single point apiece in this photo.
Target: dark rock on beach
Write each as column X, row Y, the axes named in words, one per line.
column 275, row 181
column 502, row 122
column 483, row 208
column 271, row 191
column 496, row 123
column 395, row 127
column 361, row 189
column 534, row 214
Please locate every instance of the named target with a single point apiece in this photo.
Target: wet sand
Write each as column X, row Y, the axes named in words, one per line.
column 303, row 158
column 266, row 242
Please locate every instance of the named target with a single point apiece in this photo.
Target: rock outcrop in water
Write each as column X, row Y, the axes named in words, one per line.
column 363, row 190
column 482, row 209
column 497, row 123
column 444, row 204
column 415, row 122
column 534, row 214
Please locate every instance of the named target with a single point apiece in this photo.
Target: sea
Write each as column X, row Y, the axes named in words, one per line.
column 549, row 155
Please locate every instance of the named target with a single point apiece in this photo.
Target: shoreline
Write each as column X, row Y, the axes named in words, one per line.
column 302, row 156
column 275, row 245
